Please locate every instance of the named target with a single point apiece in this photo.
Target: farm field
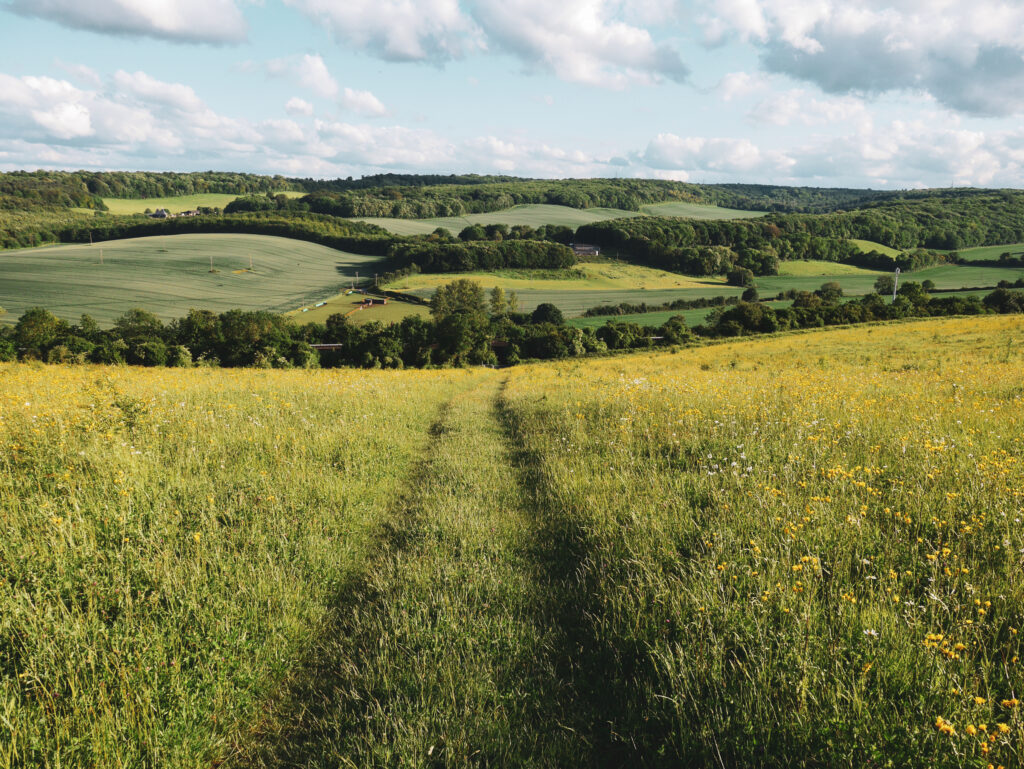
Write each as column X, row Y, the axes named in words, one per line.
column 170, row 274
column 992, row 252
column 532, row 215
column 535, row 215
column 178, row 204
column 392, row 312
column 585, row 276
column 697, row 211
column 809, row 268
column 646, row 560
column 660, row 317
column 867, row 246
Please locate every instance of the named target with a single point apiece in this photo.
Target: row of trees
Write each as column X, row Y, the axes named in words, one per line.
column 465, row 328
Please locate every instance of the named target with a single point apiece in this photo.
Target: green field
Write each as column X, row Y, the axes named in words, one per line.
column 804, row 269
column 987, row 253
column 659, row 317
column 529, row 215
column 696, row 211
column 167, row 275
column 343, row 304
column 585, row 276
column 867, row 246
column 535, row 215
column 178, row 204
column 800, row 551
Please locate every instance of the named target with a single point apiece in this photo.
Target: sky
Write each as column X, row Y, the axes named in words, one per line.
column 887, row 95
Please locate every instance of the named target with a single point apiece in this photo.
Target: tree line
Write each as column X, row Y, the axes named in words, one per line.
column 466, row 327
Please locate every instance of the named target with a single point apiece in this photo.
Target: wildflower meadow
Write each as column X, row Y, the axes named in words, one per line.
column 796, row 551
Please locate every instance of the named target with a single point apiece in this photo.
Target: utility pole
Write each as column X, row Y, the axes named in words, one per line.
column 896, row 284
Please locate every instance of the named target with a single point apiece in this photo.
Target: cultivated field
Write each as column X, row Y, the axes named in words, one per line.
column 867, row 246
column 992, row 252
column 799, row 551
column 697, row 211
column 808, row 268
column 585, row 276
column 167, row 275
column 349, row 305
column 178, row 204
column 535, row 215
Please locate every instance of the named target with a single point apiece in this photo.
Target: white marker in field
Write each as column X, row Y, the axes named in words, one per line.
column 896, row 284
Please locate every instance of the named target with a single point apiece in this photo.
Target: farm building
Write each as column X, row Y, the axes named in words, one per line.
column 582, row 249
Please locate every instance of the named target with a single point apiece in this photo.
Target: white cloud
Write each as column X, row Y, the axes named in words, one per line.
column 149, row 89
column 695, row 153
column 397, row 30
column 362, row 102
column 65, row 121
column 297, row 106
column 737, row 85
column 583, row 41
column 969, row 56
column 798, row 106
column 309, row 71
column 193, row 21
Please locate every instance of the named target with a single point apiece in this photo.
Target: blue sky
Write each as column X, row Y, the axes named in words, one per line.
column 902, row 93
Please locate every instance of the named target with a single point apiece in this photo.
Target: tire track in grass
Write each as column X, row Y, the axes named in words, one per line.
column 605, row 677
column 443, row 653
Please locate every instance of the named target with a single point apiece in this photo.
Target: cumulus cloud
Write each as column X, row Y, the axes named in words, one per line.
column 583, row 41
column 397, row 30
column 297, row 106
column 362, row 102
column 968, row 56
column 696, row 153
column 598, row 42
column 798, row 106
column 187, row 21
column 309, row 71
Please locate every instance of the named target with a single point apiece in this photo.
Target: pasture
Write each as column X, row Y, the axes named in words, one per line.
column 535, row 215
column 168, row 275
column 867, row 246
column 987, row 253
column 585, row 276
column 659, row 317
column 178, row 204
column 809, row 268
column 796, row 551
column 349, row 305
column 698, row 211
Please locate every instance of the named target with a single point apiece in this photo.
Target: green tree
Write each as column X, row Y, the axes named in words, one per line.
column 460, row 297
column 885, row 284
column 547, row 313
column 36, row 331
column 499, row 306
column 830, row 292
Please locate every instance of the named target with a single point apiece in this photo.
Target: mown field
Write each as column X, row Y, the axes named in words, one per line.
column 179, row 203
column 167, row 275
column 992, row 252
column 349, row 305
column 799, row 551
column 659, row 317
column 585, row 276
column 867, row 246
column 535, row 215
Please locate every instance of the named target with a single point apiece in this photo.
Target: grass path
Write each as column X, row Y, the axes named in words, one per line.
column 446, row 651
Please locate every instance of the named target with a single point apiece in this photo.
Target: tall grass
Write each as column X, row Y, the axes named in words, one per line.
column 799, row 551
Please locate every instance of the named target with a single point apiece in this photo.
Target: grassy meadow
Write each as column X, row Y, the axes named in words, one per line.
column 179, row 203
column 170, row 274
column 537, row 214
column 801, row 551
column 867, row 246
column 349, row 305
column 991, row 252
